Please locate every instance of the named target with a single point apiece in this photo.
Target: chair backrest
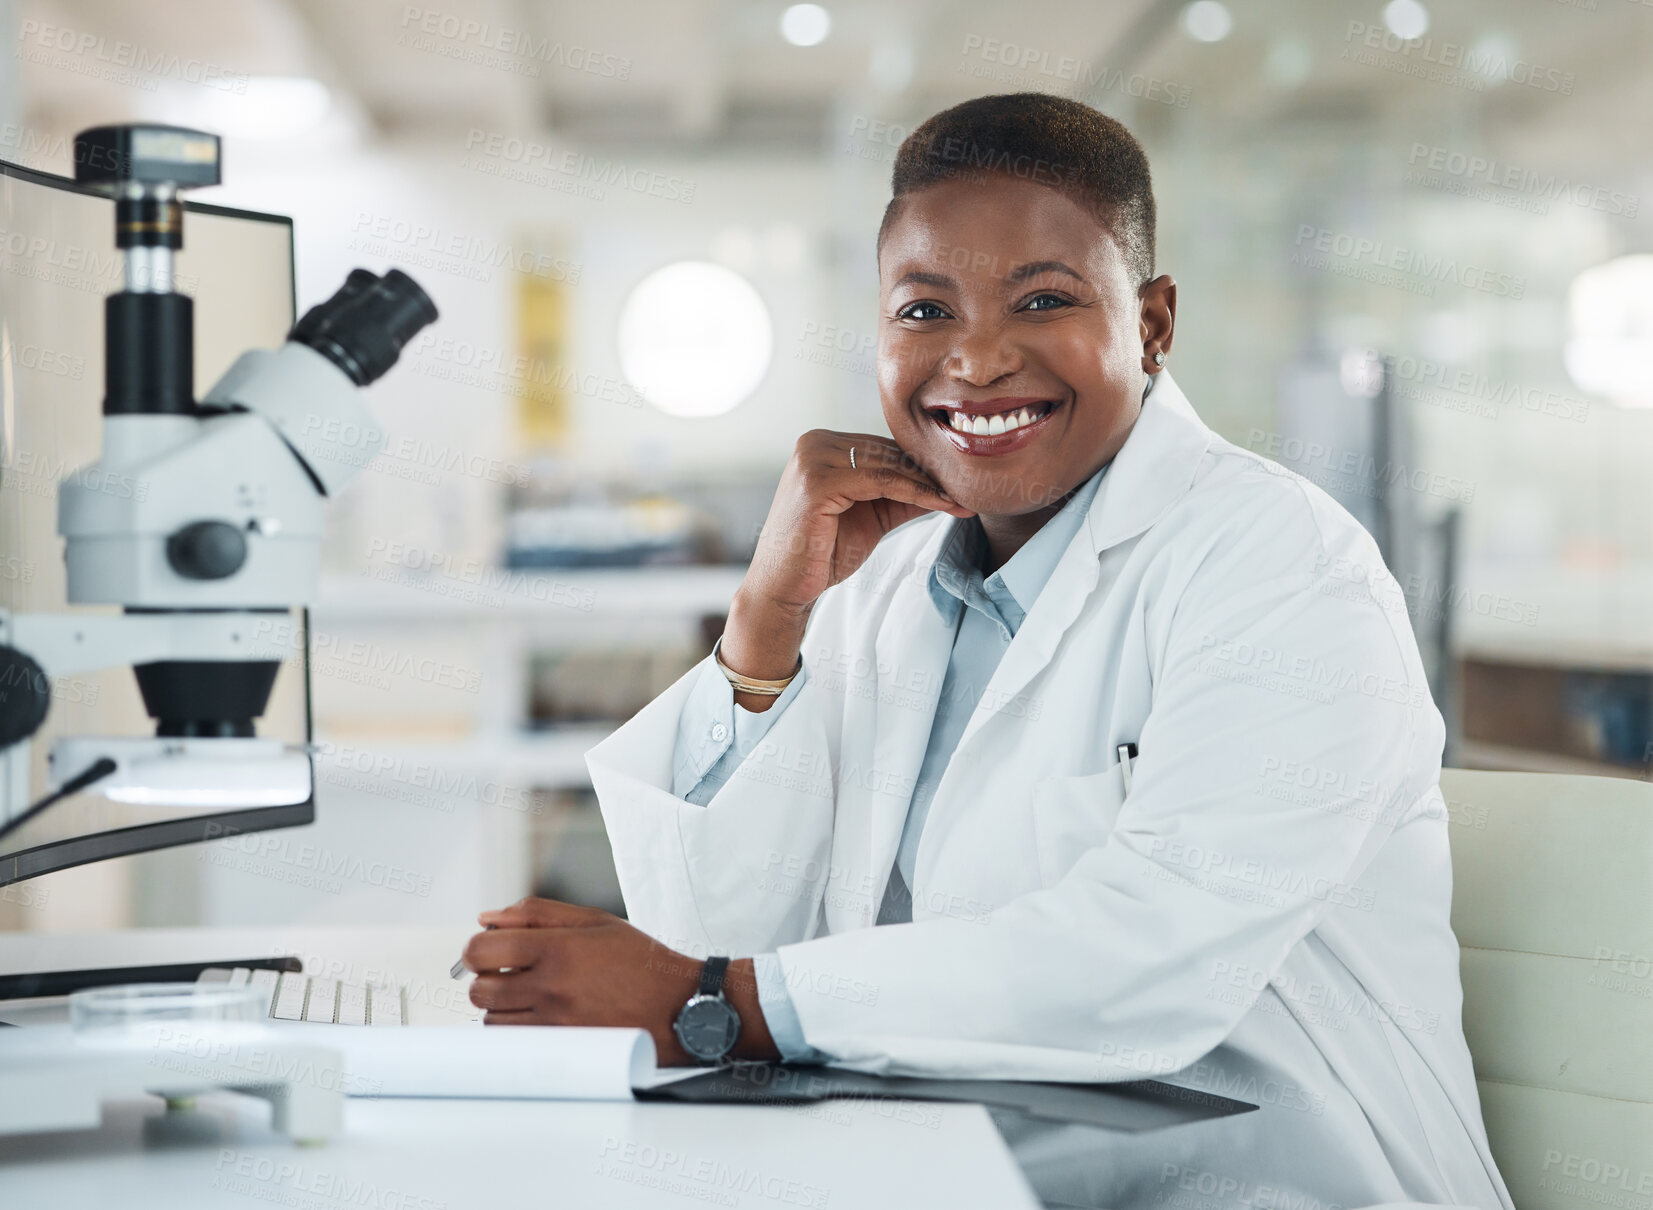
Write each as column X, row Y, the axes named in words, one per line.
column 1552, row 903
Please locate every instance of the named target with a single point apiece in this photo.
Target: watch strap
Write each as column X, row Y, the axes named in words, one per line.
column 711, row 976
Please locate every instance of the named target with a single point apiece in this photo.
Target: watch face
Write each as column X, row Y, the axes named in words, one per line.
column 708, row 1027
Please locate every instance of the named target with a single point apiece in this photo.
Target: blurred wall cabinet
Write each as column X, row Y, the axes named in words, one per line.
column 450, row 741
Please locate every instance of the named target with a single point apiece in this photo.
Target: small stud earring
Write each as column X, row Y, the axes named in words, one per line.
column 1159, row 358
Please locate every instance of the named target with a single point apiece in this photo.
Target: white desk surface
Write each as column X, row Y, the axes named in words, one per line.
column 482, row 1155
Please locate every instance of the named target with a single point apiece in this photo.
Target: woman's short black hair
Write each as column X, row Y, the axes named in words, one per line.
column 1049, row 140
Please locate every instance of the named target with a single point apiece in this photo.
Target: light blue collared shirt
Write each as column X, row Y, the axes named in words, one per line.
column 714, row 734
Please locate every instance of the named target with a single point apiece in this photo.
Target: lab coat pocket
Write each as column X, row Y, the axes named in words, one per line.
column 1072, row 815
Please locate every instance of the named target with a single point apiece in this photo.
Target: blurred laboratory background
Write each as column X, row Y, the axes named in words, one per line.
column 1415, row 264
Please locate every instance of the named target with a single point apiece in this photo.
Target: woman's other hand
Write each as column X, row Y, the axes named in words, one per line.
column 542, row 962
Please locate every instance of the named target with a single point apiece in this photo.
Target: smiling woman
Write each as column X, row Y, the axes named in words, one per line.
column 1017, row 680
column 1019, row 308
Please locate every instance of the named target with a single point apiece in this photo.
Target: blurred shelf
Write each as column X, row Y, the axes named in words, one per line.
column 1551, row 615
column 1570, row 653
column 537, row 594
column 1479, row 754
column 550, row 759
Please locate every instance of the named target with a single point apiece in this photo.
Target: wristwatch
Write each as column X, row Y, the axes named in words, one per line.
column 708, row 1024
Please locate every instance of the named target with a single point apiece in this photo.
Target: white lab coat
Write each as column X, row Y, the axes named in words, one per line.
column 1263, row 914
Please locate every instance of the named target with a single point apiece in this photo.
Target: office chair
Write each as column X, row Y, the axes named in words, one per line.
column 1553, row 907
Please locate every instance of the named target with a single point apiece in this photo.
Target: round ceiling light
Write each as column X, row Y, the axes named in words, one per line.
column 806, row 24
column 695, row 338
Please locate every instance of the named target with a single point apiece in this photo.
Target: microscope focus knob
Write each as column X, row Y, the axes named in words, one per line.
column 25, row 695
column 207, row 550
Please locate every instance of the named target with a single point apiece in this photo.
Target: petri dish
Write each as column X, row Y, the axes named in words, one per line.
column 136, row 1005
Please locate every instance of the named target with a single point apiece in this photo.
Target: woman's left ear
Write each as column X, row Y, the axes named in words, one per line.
column 1159, row 314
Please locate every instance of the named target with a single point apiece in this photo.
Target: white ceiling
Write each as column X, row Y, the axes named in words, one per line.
column 717, row 72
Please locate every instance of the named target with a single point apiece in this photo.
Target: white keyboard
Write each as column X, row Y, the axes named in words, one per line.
column 299, row 997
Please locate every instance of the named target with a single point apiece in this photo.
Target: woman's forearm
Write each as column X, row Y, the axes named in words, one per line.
column 762, row 641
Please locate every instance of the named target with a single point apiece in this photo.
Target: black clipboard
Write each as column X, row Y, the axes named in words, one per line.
column 1131, row 1107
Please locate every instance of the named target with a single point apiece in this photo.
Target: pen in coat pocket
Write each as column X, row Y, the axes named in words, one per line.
column 1126, row 753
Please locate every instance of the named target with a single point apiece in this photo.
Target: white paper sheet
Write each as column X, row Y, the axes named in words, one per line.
column 556, row 1063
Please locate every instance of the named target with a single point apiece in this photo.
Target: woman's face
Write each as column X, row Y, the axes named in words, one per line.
column 1006, row 306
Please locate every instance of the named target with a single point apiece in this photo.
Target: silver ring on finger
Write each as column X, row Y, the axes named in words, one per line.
column 852, row 457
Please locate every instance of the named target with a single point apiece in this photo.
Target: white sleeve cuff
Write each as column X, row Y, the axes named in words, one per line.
column 714, row 734
column 779, row 1014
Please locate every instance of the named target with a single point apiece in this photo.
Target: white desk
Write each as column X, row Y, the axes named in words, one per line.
column 482, row 1155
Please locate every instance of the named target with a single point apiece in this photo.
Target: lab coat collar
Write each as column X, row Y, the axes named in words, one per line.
column 1012, row 589
column 1152, row 471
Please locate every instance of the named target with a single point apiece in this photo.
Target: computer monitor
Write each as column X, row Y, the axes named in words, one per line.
column 57, row 263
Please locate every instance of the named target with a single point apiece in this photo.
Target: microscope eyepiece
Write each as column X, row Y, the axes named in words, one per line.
column 363, row 328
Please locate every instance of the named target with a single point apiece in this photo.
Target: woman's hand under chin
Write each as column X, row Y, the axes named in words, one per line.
column 838, row 497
